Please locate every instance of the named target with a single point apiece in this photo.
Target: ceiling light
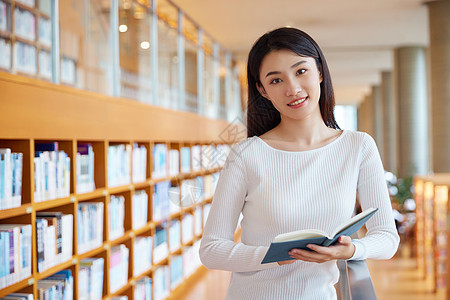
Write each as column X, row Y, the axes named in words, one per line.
column 123, row 28
column 145, row 45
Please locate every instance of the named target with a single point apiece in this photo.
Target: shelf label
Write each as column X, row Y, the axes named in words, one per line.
column 105, row 193
column 132, row 235
column 106, row 247
column 29, row 210
column 73, row 199
column 132, row 282
column 151, row 182
column 30, row 281
column 131, row 187
column 74, row 261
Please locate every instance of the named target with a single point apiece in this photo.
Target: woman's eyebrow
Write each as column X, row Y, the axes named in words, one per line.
column 293, row 66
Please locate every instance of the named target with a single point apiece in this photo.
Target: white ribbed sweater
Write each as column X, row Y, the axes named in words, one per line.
column 280, row 191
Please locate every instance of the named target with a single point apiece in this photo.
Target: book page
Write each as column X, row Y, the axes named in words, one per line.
column 299, row 235
column 353, row 220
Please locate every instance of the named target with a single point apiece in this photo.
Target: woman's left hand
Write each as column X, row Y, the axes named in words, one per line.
column 342, row 250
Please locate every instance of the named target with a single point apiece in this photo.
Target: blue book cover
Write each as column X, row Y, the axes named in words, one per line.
column 283, row 243
column 41, row 147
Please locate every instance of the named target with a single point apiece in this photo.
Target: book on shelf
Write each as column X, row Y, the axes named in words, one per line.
column 191, row 259
column 140, row 209
column 18, row 296
column 174, row 235
column 4, row 16
column 119, row 158
column 89, row 226
column 15, row 253
column 118, row 267
column 206, row 209
column 90, row 278
column 5, row 58
column 45, row 64
column 174, row 162
column 68, row 70
column 51, row 172
column 185, row 160
column 161, row 247
column 143, row 289
column 283, row 243
column 85, row 164
column 161, row 282
column 63, row 283
column 54, row 232
column 142, row 254
column 25, row 24
column 176, row 271
column 175, row 199
column 160, row 166
column 25, row 58
column 187, row 228
column 45, row 31
column 119, row 298
column 10, row 178
column 198, row 222
column 161, row 201
column 196, row 152
column 139, row 163
column 116, row 212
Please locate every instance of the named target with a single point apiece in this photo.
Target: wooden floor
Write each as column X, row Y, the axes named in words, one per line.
column 396, row 279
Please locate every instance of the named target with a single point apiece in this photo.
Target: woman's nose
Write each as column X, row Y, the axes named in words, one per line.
column 293, row 88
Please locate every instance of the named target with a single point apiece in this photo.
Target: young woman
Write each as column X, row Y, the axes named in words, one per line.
column 295, row 171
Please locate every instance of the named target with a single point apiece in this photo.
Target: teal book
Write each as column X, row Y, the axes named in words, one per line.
column 283, row 243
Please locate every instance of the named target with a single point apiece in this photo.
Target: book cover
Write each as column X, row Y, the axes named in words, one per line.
column 283, row 243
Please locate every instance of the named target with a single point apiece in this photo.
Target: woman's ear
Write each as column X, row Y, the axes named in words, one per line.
column 261, row 90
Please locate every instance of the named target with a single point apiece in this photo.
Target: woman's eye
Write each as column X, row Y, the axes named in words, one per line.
column 276, row 80
column 301, row 71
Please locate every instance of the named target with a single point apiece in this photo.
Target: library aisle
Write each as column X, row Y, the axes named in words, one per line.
column 395, row 279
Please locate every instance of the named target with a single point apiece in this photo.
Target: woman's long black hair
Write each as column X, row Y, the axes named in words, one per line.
column 262, row 116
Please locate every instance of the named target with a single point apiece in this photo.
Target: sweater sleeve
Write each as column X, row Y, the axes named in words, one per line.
column 218, row 249
column 381, row 240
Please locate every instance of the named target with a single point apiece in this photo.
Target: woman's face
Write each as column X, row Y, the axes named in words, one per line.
column 291, row 82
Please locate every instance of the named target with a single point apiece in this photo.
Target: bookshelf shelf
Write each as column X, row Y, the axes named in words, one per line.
column 46, row 101
column 15, row 287
column 55, row 269
column 14, row 212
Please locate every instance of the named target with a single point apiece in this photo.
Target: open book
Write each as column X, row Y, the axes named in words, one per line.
column 283, row 243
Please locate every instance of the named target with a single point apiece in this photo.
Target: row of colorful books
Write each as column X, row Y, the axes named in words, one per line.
column 85, row 165
column 10, row 178
column 57, row 286
column 169, row 277
column 116, row 216
column 15, row 253
column 51, row 172
column 54, row 232
column 171, row 162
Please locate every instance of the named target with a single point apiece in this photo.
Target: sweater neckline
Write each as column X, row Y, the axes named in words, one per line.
column 344, row 131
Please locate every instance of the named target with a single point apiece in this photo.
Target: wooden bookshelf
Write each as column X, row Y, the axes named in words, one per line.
column 34, row 111
column 431, row 194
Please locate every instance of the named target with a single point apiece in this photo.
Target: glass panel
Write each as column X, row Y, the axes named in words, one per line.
column 190, row 57
column 134, row 51
column 86, row 61
column 190, row 30
column 5, row 36
column 168, row 13
column 209, row 77
column 168, row 61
